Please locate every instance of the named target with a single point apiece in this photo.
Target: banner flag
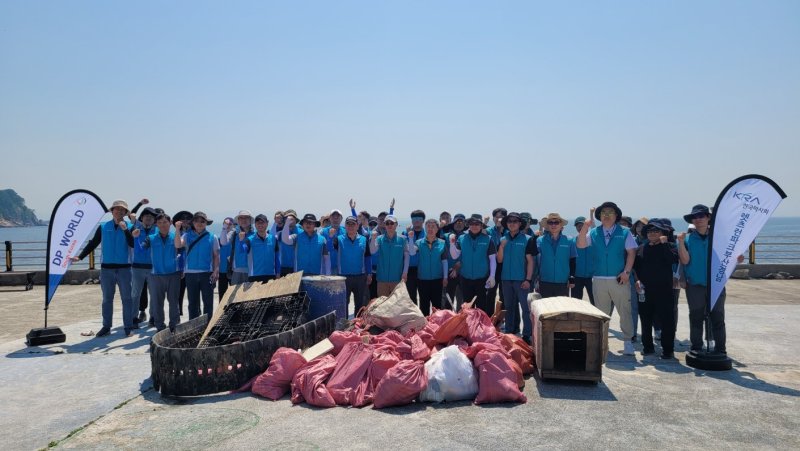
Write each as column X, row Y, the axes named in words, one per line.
column 742, row 209
column 74, row 217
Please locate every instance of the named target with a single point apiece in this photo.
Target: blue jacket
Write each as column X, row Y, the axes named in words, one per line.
column 514, row 258
column 584, row 265
column 262, row 254
column 430, row 259
column 554, row 262
column 308, row 253
column 200, row 258
column 474, row 256
column 115, row 245
column 609, row 259
column 352, row 256
column 697, row 270
column 163, row 253
column 390, row 258
column 141, row 255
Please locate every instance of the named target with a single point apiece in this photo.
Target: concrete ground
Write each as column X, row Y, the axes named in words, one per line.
column 93, row 393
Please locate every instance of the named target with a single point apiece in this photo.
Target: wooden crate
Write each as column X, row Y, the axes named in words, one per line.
column 570, row 338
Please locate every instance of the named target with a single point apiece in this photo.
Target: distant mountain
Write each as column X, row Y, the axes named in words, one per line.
column 13, row 212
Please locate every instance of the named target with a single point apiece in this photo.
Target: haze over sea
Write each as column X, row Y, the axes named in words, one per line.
column 777, row 230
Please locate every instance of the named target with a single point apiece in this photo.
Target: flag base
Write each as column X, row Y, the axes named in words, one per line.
column 45, row 336
column 711, row 361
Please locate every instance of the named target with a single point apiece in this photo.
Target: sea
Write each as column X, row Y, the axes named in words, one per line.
column 778, row 242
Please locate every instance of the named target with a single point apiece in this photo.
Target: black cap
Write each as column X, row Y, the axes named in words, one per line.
column 182, row 215
column 262, row 217
column 352, row 219
column 607, row 205
column 148, row 211
column 459, row 216
column 475, row 218
column 373, row 221
column 310, row 217
column 512, row 215
column 697, row 209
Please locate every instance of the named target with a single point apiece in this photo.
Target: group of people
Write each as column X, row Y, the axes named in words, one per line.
column 637, row 268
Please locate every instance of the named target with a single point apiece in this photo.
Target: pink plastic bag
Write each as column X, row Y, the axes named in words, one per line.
column 352, row 365
column 480, row 328
column 440, row 317
column 497, row 380
column 277, row 380
column 383, row 359
column 454, row 327
column 339, row 339
column 520, row 352
column 401, row 384
column 308, row 383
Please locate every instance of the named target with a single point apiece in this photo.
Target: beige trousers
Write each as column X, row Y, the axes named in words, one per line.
column 608, row 292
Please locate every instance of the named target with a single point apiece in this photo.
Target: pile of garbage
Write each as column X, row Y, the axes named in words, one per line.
column 393, row 355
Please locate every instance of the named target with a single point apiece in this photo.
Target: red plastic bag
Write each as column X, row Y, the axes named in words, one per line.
column 413, row 348
column 308, row 383
column 440, row 317
column 480, row 328
column 497, row 381
column 383, row 359
column 475, row 348
column 520, row 352
column 352, row 365
column 339, row 339
column 454, row 327
column 401, row 384
column 427, row 334
column 390, row 338
column 277, row 380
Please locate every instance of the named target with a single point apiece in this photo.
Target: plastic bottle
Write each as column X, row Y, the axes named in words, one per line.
column 640, row 291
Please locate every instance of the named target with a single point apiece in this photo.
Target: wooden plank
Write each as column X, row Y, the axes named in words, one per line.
column 594, row 348
column 243, row 292
column 547, row 350
column 323, row 347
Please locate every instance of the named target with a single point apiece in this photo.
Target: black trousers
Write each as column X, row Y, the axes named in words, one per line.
column 453, row 290
column 697, row 300
column 264, row 278
column 551, row 290
column 430, row 293
column 412, row 282
column 676, row 293
column 357, row 286
column 476, row 288
column 373, row 288
column 658, row 304
column 286, row 271
column 580, row 284
column 222, row 284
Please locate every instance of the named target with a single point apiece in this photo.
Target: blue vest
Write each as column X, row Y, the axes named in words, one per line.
column 514, row 259
column 224, row 253
column 413, row 260
column 390, row 258
column 240, row 259
column 451, row 262
column 351, row 255
column 494, row 235
column 115, row 247
column 554, row 264
column 141, row 255
column 697, row 269
column 333, row 252
column 262, row 255
column 609, row 259
column 287, row 250
column 584, row 265
column 200, row 257
column 474, row 256
column 163, row 253
column 308, row 253
column 430, row 259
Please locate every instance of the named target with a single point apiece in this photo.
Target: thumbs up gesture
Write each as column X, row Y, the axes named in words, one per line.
column 136, row 233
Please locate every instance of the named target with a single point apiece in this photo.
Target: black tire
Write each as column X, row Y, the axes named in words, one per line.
column 708, row 361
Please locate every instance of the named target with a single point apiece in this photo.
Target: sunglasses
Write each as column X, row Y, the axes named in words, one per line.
column 513, row 221
column 553, row 222
column 608, row 213
column 700, row 216
column 389, row 223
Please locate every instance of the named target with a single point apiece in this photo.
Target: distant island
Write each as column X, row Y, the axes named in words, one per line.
column 14, row 213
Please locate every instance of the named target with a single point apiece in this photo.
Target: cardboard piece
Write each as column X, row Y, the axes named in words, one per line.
column 323, row 347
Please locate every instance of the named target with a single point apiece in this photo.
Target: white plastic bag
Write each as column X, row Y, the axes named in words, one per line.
column 451, row 377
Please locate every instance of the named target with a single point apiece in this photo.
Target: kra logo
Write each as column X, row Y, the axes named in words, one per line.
column 747, row 197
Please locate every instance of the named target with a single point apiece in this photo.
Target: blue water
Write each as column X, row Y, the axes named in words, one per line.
column 30, row 243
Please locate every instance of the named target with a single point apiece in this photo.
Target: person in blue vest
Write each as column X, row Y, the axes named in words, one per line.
column 496, row 232
column 432, row 265
column 445, row 218
column 224, row 262
column 613, row 250
column 239, row 269
column 557, row 258
column 202, row 264
column 115, row 270
column 310, row 248
column 165, row 279
column 373, row 285
column 335, row 225
column 185, row 218
column 262, row 250
column 142, row 266
column 355, row 263
column 693, row 253
column 478, row 256
column 287, row 250
column 455, row 228
column 584, row 267
column 517, row 252
column 627, row 222
column 391, row 251
column 653, row 265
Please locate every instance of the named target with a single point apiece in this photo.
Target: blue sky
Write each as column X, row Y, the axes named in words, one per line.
column 458, row 106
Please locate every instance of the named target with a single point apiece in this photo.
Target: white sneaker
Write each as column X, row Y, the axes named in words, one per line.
column 628, row 350
column 658, row 335
column 711, row 344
